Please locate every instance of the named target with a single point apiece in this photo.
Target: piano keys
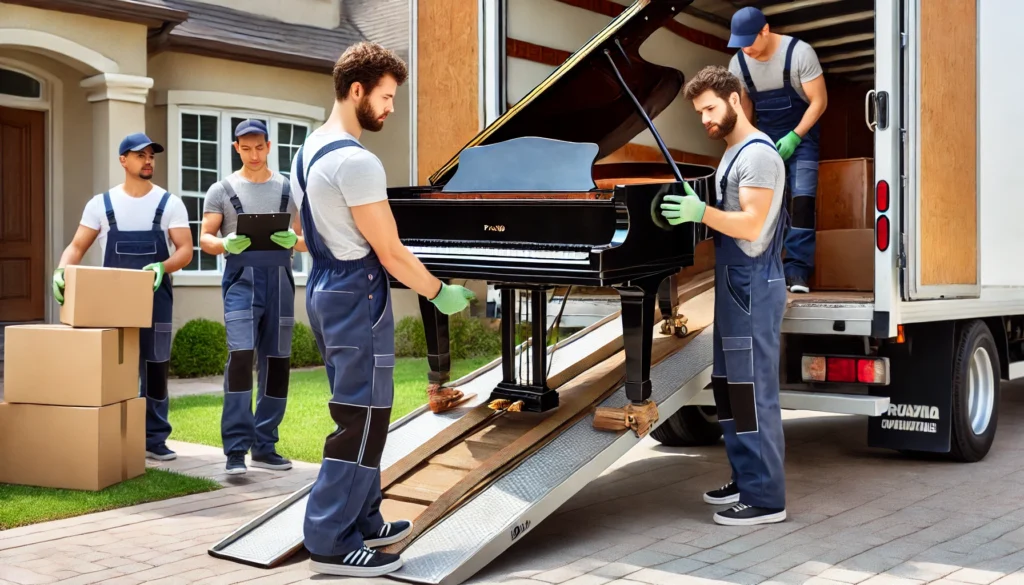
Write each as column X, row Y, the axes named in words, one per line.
column 526, row 206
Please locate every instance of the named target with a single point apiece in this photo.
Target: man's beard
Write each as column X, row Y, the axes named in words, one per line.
column 368, row 119
column 146, row 174
column 724, row 127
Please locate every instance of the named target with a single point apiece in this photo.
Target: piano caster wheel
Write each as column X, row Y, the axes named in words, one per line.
column 675, row 326
column 682, row 332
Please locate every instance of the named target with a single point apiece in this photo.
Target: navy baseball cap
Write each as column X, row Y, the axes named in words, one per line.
column 138, row 141
column 746, row 24
column 252, row 127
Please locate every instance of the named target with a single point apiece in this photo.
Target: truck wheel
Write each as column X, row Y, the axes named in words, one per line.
column 975, row 393
column 690, row 426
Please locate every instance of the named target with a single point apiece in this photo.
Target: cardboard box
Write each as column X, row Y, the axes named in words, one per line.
column 107, row 297
column 846, row 194
column 844, row 260
column 63, row 366
column 72, row 447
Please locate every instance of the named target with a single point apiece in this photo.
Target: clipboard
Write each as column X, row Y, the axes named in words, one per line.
column 258, row 227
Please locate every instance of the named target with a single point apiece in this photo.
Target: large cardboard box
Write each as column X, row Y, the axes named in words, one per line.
column 844, row 260
column 64, row 366
column 107, row 297
column 72, row 447
column 845, row 194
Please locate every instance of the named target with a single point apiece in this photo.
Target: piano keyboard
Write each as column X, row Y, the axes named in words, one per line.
column 501, row 251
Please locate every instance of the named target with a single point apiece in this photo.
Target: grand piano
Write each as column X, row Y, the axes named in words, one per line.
column 525, row 206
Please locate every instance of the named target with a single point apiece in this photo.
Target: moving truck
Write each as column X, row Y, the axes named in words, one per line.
column 916, row 314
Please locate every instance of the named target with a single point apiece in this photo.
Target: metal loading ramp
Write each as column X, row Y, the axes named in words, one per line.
column 474, row 480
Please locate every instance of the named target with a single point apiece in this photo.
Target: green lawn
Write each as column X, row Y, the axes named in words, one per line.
column 22, row 505
column 196, row 419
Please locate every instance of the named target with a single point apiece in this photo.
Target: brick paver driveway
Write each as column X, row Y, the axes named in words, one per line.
column 855, row 515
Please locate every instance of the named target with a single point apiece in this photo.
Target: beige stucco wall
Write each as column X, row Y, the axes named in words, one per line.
column 122, row 42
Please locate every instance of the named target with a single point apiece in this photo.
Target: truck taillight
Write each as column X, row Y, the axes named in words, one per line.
column 846, row 370
column 882, row 233
column 882, row 196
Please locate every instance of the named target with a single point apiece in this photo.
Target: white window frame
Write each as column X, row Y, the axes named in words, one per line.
column 227, row 106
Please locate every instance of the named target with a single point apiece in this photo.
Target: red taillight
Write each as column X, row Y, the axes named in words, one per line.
column 882, row 234
column 845, row 370
column 841, row 370
column 882, row 196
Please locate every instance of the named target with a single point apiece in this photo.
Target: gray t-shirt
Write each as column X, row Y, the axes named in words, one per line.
column 255, row 198
column 345, row 178
column 767, row 75
column 759, row 165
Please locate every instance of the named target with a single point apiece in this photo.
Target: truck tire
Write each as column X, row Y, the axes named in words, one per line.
column 975, row 410
column 690, row 426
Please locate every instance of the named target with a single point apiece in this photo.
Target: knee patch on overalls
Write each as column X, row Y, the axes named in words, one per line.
column 156, row 380
column 803, row 212
column 744, row 407
column 277, row 376
column 240, row 370
column 344, row 444
column 720, row 388
column 376, row 436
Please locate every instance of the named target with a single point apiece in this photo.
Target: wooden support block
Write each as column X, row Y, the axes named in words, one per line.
column 393, row 510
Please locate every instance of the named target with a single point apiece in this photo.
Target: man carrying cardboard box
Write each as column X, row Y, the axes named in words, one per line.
column 136, row 223
column 259, row 301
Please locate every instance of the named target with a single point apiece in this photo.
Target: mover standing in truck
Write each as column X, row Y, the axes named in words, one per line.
column 785, row 88
column 258, row 289
column 341, row 191
column 136, row 223
column 749, row 220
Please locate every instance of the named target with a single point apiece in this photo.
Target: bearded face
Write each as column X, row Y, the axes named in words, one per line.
column 370, row 118
column 724, row 125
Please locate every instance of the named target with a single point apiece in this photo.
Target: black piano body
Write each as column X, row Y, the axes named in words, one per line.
column 525, row 206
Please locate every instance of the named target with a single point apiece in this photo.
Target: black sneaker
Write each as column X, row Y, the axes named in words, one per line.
column 797, row 284
column 744, row 515
column 727, row 494
column 161, row 453
column 271, row 461
column 236, row 464
column 363, row 562
column 390, row 533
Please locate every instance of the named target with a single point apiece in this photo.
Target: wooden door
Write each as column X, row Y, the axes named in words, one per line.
column 22, row 222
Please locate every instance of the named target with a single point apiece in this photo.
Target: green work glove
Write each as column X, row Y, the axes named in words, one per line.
column 235, row 244
column 452, row 299
column 787, row 145
column 679, row 210
column 58, row 285
column 285, row 239
column 158, row 268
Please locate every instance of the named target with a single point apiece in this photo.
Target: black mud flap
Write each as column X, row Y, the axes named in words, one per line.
column 920, row 392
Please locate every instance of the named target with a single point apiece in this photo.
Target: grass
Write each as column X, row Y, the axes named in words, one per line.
column 307, row 422
column 23, row 505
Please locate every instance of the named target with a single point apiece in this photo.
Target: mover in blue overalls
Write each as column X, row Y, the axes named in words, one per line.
column 784, row 81
column 133, row 222
column 748, row 220
column 340, row 189
column 258, row 289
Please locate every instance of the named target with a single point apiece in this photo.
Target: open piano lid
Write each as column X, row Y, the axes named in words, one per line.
column 582, row 101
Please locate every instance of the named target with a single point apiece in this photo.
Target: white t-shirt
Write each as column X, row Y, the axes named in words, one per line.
column 347, row 177
column 134, row 214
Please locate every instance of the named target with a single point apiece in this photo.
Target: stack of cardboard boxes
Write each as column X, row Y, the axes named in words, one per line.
column 845, row 239
column 73, row 417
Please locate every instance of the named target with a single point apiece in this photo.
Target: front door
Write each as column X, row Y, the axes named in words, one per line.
column 22, row 221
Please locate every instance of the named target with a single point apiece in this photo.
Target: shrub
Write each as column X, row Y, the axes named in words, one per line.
column 469, row 338
column 200, row 348
column 304, row 350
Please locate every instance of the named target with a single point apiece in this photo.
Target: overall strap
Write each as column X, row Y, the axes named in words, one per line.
column 789, row 62
column 235, row 201
column 286, row 193
column 327, row 149
column 725, row 176
column 109, row 207
column 159, row 216
column 746, row 73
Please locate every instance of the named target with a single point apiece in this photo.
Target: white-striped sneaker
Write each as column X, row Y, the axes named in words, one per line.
column 744, row 515
column 390, row 533
column 362, row 562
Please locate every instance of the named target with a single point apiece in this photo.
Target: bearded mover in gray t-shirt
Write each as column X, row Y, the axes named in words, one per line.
column 748, row 220
column 259, row 301
column 784, row 86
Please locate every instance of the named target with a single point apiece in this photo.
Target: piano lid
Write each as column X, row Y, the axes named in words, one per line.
column 582, row 100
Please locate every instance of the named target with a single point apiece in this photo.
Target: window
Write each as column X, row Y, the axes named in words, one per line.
column 208, row 155
column 20, row 85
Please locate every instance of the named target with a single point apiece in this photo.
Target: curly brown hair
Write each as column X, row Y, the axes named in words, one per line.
column 366, row 63
column 716, row 78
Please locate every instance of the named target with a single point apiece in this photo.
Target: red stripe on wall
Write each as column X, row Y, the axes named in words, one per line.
column 535, row 53
column 609, row 8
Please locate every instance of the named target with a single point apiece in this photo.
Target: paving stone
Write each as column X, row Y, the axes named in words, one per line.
column 712, row 572
column 24, row 576
column 886, row 579
column 1014, row 579
column 674, row 548
column 870, row 562
column 710, row 556
column 845, row 575
column 922, row 571
column 975, row 576
column 647, row 558
column 587, row 580
column 681, row 566
column 615, row 570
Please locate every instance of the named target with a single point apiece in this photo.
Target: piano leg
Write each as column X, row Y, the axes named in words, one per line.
column 435, row 328
column 530, row 386
column 638, row 333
